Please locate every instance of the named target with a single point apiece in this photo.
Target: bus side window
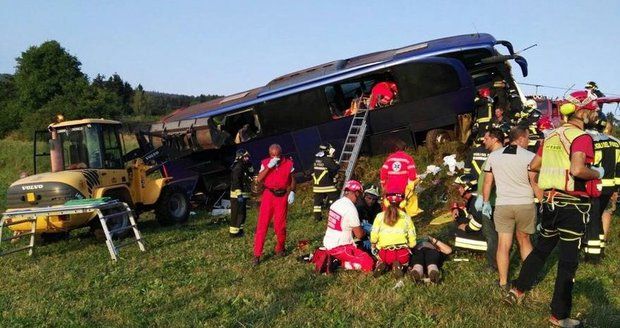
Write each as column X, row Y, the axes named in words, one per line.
column 423, row 80
column 293, row 112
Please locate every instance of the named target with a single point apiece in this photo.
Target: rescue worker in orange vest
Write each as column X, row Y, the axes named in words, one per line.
column 276, row 175
column 564, row 162
column 323, row 179
column 241, row 176
column 607, row 155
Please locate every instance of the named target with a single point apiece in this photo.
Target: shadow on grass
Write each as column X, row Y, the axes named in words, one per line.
column 602, row 312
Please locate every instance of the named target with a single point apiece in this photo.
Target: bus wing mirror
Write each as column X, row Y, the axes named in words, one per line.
column 506, row 44
column 522, row 63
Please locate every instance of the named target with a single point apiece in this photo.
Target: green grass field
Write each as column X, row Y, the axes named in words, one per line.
column 195, row 275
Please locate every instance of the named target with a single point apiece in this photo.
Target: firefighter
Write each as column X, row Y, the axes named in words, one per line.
column 528, row 118
column 592, row 88
column 607, row 155
column 468, row 233
column 484, row 113
column 564, row 162
column 476, row 157
column 241, row 175
column 276, row 176
column 324, row 179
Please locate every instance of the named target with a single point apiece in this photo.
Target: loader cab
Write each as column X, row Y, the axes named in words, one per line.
column 84, row 144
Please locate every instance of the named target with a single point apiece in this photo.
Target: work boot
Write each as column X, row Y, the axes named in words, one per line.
column 566, row 322
column 433, row 275
column 379, row 269
column 256, row 261
column 398, row 269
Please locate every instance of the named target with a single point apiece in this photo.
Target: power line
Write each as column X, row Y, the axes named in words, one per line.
column 561, row 88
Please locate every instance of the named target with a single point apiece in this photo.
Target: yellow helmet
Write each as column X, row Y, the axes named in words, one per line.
column 567, row 109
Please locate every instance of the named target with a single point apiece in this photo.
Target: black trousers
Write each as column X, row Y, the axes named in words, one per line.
column 425, row 257
column 238, row 211
column 594, row 228
column 562, row 225
column 322, row 200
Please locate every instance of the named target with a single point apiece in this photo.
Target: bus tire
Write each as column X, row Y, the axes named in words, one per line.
column 173, row 206
column 436, row 137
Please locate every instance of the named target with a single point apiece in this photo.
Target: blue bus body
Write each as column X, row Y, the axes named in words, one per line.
column 437, row 81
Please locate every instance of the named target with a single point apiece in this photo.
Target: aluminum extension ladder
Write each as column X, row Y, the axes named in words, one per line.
column 31, row 215
column 353, row 144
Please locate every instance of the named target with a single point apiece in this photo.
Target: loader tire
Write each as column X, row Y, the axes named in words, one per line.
column 173, row 206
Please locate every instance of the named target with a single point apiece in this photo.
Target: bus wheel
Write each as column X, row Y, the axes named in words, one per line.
column 436, row 137
column 173, row 206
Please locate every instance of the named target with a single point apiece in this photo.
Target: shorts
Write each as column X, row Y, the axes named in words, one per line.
column 507, row 216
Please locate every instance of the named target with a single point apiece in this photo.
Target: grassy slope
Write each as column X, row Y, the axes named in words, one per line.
column 194, row 275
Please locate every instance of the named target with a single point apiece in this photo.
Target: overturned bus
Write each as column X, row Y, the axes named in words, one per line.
column 433, row 83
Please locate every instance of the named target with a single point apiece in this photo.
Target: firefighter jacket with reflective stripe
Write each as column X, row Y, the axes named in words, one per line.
column 472, row 237
column 555, row 167
column 607, row 155
column 241, row 177
column 323, row 177
column 475, row 160
column 484, row 109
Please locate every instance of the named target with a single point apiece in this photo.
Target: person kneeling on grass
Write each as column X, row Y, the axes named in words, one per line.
column 343, row 224
column 392, row 235
column 428, row 254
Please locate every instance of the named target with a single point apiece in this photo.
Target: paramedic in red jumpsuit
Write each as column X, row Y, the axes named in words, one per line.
column 397, row 171
column 276, row 176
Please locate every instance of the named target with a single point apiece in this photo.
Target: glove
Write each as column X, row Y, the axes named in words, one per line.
column 291, row 197
column 374, row 251
column 478, row 203
column 486, row 209
column 600, row 170
column 240, row 199
column 273, row 162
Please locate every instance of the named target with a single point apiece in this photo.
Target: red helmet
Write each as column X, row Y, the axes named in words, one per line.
column 544, row 123
column 484, row 92
column 353, row 185
column 395, row 199
column 583, row 100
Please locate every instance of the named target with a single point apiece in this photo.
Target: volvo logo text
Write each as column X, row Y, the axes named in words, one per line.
column 32, row 187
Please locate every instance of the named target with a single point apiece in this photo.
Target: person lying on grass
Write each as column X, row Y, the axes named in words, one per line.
column 392, row 235
column 428, row 255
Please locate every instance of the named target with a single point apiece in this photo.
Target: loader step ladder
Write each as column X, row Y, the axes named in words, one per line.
column 87, row 206
column 353, row 144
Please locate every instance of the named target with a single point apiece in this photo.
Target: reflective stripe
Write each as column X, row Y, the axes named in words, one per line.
column 470, row 244
column 326, row 189
column 233, row 230
column 594, row 242
column 476, row 167
column 608, row 182
column 592, row 250
column 474, row 225
column 317, row 209
column 317, row 180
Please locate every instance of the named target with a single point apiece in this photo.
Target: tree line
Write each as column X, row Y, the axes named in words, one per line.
column 48, row 81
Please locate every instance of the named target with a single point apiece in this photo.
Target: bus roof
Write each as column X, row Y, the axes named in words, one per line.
column 331, row 72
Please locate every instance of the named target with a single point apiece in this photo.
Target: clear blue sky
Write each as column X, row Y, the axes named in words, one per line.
column 222, row 47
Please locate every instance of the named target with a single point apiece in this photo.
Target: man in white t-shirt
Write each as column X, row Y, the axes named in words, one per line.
column 343, row 224
column 508, row 168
